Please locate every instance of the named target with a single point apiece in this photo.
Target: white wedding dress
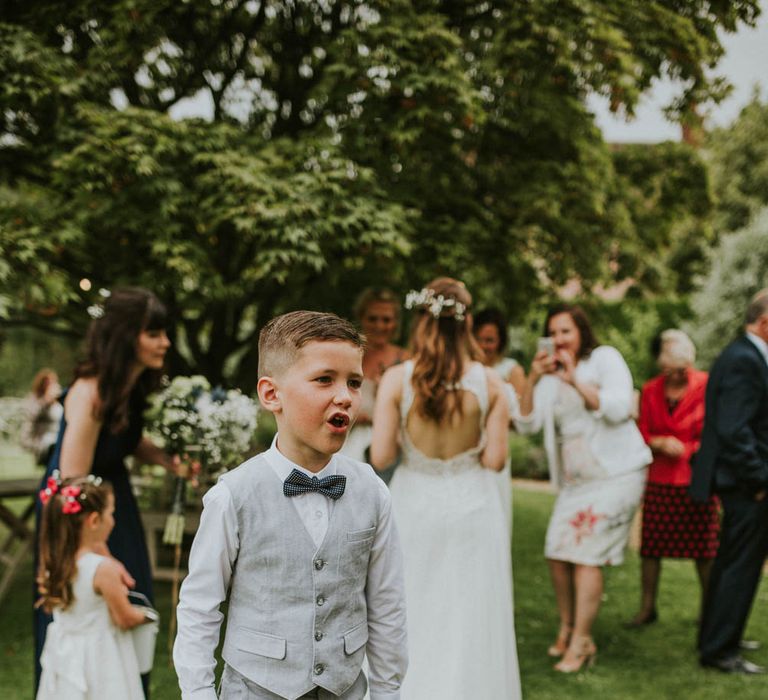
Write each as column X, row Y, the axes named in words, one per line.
column 458, row 571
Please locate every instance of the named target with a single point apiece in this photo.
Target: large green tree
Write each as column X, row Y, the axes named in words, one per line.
column 738, row 155
column 666, row 192
column 345, row 142
column 739, row 269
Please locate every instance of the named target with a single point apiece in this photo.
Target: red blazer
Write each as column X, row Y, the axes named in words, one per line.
column 685, row 423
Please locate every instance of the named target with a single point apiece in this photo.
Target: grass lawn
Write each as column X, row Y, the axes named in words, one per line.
column 657, row 662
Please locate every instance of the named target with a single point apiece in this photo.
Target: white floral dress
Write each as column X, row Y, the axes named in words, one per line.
column 593, row 513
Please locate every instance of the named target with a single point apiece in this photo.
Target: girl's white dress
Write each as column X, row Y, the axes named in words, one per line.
column 86, row 656
column 458, row 570
column 359, row 439
column 503, row 367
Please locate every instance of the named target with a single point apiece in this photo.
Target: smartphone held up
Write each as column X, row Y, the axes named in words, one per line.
column 546, row 344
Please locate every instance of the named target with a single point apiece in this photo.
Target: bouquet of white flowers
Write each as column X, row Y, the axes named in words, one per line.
column 218, row 424
column 212, row 426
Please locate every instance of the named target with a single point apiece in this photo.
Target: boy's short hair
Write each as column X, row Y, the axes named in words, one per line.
column 282, row 338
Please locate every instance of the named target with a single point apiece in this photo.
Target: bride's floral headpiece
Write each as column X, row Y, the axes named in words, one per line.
column 72, row 494
column 436, row 304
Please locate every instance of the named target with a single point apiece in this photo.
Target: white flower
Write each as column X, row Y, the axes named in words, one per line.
column 189, row 413
column 436, row 304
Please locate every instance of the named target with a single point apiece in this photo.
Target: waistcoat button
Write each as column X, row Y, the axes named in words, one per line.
column 318, row 636
column 319, row 564
column 320, row 600
column 319, row 668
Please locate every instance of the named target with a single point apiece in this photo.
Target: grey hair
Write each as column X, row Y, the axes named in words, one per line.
column 758, row 306
column 677, row 347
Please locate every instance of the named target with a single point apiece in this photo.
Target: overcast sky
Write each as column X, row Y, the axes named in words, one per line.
column 745, row 64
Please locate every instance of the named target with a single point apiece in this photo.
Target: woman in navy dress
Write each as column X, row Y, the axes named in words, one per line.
column 102, row 424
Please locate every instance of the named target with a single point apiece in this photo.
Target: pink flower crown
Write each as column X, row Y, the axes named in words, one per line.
column 72, row 494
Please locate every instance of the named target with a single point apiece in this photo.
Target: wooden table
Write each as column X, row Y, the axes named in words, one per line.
column 20, row 538
column 154, row 523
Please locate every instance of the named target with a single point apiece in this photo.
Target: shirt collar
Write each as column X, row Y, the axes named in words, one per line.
column 761, row 345
column 283, row 466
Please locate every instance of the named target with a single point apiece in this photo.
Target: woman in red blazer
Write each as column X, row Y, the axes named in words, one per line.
column 671, row 420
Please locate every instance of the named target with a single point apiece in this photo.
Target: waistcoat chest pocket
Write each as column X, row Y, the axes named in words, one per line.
column 259, row 643
column 361, row 535
column 356, row 637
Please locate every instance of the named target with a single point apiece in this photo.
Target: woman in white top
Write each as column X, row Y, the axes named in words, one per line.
column 451, row 416
column 490, row 330
column 42, row 415
column 581, row 395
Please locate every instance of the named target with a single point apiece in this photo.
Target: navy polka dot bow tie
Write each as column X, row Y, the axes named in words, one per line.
column 298, row 482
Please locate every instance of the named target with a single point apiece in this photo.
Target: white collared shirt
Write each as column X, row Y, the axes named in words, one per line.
column 211, row 565
column 313, row 508
column 761, row 345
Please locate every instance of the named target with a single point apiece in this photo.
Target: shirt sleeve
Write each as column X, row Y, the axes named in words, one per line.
column 534, row 421
column 211, row 562
column 385, row 597
column 616, row 389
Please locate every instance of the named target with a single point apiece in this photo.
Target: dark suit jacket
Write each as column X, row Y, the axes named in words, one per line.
column 734, row 444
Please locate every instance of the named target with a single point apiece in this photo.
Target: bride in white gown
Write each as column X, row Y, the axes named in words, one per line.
column 451, row 416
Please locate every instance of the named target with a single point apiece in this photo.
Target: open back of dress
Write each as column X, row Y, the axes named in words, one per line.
column 461, row 439
column 458, row 572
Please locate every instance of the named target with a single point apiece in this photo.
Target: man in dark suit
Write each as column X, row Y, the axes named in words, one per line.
column 733, row 462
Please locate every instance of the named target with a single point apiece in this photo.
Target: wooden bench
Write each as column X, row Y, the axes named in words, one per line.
column 21, row 532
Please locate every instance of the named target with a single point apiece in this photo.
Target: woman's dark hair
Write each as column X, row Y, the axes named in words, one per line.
column 110, row 351
column 495, row 318
column 588, row 339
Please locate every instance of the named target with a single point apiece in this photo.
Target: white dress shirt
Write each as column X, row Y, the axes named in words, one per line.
column 760, row 344
column 313, row 507
column 211, row 564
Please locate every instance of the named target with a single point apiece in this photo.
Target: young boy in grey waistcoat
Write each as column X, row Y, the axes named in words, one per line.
column 300, row 542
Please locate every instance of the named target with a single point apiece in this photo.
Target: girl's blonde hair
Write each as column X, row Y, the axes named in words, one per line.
column 60, row 527
column 371, row 295
column 439, row 346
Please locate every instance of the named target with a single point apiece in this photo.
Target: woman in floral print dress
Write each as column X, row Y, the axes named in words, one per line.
column 582, row 396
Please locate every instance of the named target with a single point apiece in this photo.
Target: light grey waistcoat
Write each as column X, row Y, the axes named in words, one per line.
column 297, row 614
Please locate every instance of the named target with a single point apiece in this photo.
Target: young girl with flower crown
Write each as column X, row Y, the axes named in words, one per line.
column 88, row 653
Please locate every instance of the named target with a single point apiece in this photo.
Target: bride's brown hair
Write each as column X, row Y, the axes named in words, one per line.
column 439, row 347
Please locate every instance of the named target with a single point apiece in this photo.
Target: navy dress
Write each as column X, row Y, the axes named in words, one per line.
column 126, row 543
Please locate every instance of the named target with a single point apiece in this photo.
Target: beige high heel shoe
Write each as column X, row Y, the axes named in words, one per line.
column 560, row 646
column 581, row 654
